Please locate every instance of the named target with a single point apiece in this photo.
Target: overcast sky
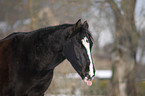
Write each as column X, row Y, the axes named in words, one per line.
column 140, row 5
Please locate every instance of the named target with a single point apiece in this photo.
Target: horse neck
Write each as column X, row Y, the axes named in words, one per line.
column 51, row 45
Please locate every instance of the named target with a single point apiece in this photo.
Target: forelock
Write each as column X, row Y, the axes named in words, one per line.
column 87, row 33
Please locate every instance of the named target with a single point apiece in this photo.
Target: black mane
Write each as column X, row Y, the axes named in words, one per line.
column 49, row 29
column 53, row 28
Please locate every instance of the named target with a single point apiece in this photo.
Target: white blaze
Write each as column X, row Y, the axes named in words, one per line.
column 86, row 44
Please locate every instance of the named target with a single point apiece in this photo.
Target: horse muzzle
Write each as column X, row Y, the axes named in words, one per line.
column 88, row 81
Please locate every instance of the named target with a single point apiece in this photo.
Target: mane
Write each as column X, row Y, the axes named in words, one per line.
column 49, row 29
column 88, row 34
column 53, row 28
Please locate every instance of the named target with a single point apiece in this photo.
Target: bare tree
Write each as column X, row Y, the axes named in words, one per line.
column 126, row 38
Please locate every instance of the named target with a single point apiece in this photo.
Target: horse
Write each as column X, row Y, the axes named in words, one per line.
column 28, row 59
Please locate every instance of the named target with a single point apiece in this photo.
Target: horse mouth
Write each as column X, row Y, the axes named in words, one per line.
column 88, row 81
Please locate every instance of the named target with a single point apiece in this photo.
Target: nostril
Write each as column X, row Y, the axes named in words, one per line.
column 89, row 77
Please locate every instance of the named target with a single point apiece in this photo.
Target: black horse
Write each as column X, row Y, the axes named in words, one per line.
column 28, row 59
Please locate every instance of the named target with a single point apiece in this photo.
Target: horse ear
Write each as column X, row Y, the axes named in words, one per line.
column 75, row 29
column 77, row 25
column 86, row 24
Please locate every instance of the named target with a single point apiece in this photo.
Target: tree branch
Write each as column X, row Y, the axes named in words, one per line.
column 128, row 6
column 115, row 8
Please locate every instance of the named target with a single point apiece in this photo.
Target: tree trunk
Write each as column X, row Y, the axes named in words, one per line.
column 30, row 3
column 123, row 81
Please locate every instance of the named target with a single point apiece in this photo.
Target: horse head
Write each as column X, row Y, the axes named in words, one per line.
column 77, row 50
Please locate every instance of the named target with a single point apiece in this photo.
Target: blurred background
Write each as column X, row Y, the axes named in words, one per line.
column 118, row 29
